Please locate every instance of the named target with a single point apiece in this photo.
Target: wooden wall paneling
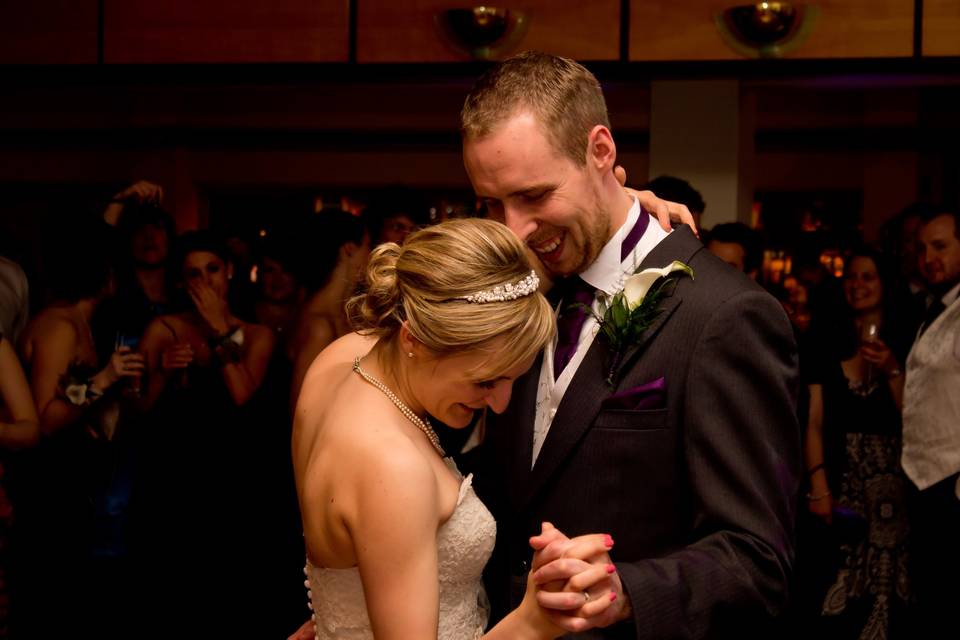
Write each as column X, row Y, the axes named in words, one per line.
column 941, row 28
column 407, row 31
column 669, row 30
column 212, row 31
column 48, row 32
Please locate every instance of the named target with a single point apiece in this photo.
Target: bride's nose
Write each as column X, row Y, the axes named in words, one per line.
column 499, row 396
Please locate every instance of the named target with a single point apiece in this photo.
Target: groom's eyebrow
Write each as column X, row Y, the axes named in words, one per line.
column 537, row 188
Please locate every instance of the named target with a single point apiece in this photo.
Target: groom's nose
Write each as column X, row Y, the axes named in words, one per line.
column 499, row 396
column 519, row 222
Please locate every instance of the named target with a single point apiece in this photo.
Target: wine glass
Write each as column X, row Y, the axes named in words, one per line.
column 869, row 334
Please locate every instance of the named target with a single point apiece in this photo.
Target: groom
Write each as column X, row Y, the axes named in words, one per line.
column 689, row 459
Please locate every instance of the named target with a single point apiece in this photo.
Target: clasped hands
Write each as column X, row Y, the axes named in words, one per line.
column 576, row 584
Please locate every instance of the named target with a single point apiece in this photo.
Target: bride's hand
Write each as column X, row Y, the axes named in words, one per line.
column 666, row 212
column 577, row 615
column 577, row 584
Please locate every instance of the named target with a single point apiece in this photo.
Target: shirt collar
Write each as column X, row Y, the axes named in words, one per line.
column 951, row 296
column 608, row 271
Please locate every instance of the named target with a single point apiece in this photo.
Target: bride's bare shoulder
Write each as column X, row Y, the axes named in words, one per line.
column 340, row 351
column 348, row 347
column 365, row 443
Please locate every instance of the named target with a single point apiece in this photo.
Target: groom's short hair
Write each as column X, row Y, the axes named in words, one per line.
column 564, row 96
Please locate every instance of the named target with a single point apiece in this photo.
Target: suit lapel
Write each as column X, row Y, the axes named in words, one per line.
column 586, row 392
column 521, row 424
column 579, row 406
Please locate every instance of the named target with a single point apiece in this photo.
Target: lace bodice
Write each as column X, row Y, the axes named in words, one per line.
column 464, row 544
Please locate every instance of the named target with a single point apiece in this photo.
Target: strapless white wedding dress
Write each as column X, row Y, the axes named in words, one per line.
column 464, row 544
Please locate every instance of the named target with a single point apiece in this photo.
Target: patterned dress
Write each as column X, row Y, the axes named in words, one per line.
column 870, row 596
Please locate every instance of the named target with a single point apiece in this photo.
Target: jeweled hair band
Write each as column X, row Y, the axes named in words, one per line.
column 504, row 292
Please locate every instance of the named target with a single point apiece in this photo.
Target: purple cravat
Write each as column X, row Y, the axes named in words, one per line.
column 577, row 299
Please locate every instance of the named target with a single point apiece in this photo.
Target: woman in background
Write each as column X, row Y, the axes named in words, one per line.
column 59, row 485
column 852, row 453
column 341, row 251
column 196, row 502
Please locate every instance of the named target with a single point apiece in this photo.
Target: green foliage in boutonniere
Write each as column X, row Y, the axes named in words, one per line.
column 624, row 318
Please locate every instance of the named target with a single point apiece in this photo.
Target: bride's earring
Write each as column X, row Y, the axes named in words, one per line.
column 409, row 354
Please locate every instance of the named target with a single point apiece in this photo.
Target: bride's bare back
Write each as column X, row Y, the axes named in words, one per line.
column 346, row 436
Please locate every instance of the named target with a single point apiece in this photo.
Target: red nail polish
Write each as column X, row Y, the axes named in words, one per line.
column 611, row 568
column 608, row 541
column 613, row 596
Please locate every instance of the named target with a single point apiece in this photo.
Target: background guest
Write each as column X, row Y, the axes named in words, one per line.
column 394, row 213
column 852, row 455
column 143, row 235
column 738, row 245
column 679, row 190
column 931, row 413
column 14, row 299
column 59, row 484
column 341, row 249
column 196, row 503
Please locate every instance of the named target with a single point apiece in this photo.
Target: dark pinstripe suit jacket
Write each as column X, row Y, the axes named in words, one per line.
column 698, row 495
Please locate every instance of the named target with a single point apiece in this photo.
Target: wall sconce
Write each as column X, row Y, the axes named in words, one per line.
column 482, row 32
column 765, row 29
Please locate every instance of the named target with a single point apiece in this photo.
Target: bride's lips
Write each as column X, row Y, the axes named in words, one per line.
column 550, row 248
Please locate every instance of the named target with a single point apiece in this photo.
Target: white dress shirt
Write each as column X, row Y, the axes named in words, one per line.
column 606, row 275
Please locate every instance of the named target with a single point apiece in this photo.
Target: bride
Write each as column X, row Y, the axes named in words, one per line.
column 396, row 539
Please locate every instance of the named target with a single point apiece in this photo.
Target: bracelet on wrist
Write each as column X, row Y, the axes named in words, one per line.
column 228, row 347
column 821, row 496
column 812, row 470
column 228, row 353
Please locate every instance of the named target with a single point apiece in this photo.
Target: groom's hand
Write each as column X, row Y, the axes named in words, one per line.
column 578, row 585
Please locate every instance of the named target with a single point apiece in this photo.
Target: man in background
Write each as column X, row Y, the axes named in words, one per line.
column 738, row 245
column 931, row 426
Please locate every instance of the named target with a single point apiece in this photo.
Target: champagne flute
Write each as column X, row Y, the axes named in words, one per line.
column 869, row 334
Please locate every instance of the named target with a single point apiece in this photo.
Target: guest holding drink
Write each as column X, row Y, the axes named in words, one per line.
column 852, row 453
column 59, row 485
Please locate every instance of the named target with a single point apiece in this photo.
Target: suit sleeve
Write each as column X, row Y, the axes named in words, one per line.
column 742, row 458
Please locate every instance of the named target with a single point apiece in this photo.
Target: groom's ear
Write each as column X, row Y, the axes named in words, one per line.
column 601, row 149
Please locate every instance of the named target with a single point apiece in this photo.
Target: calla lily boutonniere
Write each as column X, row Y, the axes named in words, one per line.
column 631, row 311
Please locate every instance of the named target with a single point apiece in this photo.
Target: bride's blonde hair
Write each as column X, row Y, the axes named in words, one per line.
column 424, row 283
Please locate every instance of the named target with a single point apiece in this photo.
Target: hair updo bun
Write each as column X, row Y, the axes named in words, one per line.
column 377, row 309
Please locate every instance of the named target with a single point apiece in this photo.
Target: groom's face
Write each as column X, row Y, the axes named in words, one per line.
column 544, row 197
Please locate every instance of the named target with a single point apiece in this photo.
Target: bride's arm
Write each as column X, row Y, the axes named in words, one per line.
column 394, row 535
column 393, row 521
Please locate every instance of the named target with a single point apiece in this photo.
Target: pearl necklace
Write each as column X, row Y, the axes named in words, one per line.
column 408, row 413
